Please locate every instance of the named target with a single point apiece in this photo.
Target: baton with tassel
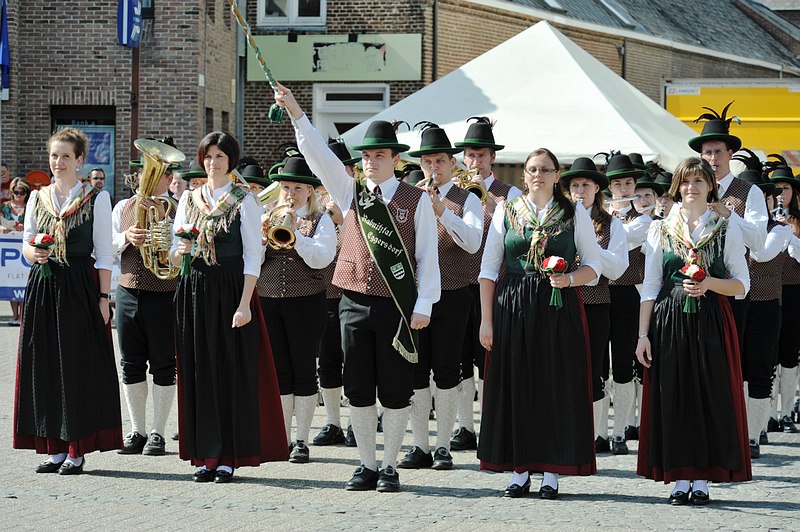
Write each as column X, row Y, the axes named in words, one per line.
column 276, row 112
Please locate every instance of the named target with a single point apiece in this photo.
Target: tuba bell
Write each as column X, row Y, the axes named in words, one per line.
column 279, row 236
column 156, row 158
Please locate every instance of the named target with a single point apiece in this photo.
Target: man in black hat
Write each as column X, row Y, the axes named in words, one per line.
column 460, row 229
column 388, row 239
column 480, row 152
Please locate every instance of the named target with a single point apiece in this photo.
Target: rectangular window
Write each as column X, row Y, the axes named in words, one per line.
column 148, row 9
column 209, row 120
column 284, row 13
column 226, row 122
column 338, row 107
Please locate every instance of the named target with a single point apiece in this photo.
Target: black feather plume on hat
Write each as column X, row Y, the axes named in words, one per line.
column 483, row 119
column 397, row 123
column 652, row 169
column 713, row 115
column 780, row 162
column 425, row 125
column 751, row 160
column 607, row 156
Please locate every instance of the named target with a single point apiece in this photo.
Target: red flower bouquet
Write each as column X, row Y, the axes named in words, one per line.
column 696, row 274
column 189, row 232
column 43, row 241
column 557, row 266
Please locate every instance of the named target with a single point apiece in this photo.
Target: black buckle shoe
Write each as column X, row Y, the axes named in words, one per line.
column 350, row 439
column 548, row 492
column 463, row 440
column 762, row 438
column 380, row 423
column 223, row 477
column 388, row 481
column 679, row 498
column 133, row 443
column 773, row 425
column 631, row 433
column 442, row 460
column 299, row 454
column 364, row 479
column 67, row 468
column 416, row 458
column 755, row 449
column 204, row 475
column 176, row 436
column 515, row 491
column 601, row 445
column 618, row 445
column 156, row 446
column 49, row 467
column 329, row 435
column 787, row 425
column 699, row 498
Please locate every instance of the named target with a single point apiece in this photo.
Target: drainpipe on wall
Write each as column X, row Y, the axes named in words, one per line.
column 622, row 54
column 434, row 40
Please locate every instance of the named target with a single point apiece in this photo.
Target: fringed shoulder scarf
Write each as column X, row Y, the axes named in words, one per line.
column 521, row 214
column 676, row 237
column 58, row 224
column 211, row 217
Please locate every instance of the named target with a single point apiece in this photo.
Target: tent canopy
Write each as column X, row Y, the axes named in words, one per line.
column 544, row 91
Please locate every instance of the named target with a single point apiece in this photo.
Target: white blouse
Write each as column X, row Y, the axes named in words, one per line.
column 319, row 249
column 614, row 260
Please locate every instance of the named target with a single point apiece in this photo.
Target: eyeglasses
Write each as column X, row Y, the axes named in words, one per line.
column 97, row 178
column 19, row 192
column 543, row 171
column 718, row 152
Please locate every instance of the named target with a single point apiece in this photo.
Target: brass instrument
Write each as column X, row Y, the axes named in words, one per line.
column 269, row 194
column 465, row 181
column 156, row 158
column 279, row 236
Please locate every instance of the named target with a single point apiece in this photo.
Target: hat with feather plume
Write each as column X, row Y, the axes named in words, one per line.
column 717, row 127
column 479, row 134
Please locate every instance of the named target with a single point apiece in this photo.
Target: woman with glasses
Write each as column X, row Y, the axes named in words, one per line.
column 537, row 409
column 13, row 216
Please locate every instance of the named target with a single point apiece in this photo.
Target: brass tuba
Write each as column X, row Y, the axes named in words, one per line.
column 465, row 181
column 156, row 158
column 279, row 236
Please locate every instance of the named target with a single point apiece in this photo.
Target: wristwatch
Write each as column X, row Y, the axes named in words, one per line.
column 103, row 295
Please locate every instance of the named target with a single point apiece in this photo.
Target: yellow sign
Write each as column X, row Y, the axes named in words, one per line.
column 356, row 57
column 768, row 108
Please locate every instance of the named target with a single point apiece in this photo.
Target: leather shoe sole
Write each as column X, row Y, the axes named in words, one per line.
column 699, row 498
column 68, row 469
column 548, row 492
column 223, row 477
column 205, row 475
column 515, row 491
column 679, row 498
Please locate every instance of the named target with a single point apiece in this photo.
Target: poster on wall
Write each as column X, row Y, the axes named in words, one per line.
column 101, row 152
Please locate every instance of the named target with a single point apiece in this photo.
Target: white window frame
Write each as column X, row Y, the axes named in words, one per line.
column 326, row 113
column 292, row 20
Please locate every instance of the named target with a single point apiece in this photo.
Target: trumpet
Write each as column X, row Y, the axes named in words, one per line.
column 280, row 236
column 465, row 181
column 427, row 182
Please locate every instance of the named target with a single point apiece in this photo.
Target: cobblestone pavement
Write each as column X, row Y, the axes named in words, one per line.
column 150, row 493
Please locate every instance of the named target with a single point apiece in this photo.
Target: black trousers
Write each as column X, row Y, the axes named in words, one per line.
column 760, row 354
column 439, row 348
column 790, row 327
column 295, row 326
column 331, row 358
column 369, row 324
column 598, row 321
column 624, row 333
column 740, row 309
column 473, row 354
column 146, row 335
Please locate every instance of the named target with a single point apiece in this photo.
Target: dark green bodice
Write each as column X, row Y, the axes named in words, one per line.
column 80, row 239
column 517, row 247
column 672, row 263
column 229, row 244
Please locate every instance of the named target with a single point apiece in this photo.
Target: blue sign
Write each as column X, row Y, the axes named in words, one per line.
column 129, row 23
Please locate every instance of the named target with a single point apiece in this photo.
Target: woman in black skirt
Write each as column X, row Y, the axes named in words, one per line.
column 693, row 424
column 67, row 400
column 228, row 402
column 537, row 409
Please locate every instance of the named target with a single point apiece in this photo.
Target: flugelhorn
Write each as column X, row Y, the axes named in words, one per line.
column 280, row 236
column 465, row 181
column 269, row 194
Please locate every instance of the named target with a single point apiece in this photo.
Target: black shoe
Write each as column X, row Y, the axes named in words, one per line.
column 601, row 445
column 431, row 415
column 363, row 480
column 463, row 440
column 350, row 439
column 515, row 491
column 773, row 425
column 222, row 477
column 618, row 445
column 755, row 449
column 329, row 435
column 548, row 492
column 380, row 423
column 762, row 438
column 133, row 443
column 68, row 469
column 49, row 467
column 631, row 433
column 442, row 460
column 299, row 454
column 156, row 446
column 679, row 498
column 787, row 425
column 175, row 437
column 699, row 498
column 416, row 458
column 204, row 475
column 388, row 481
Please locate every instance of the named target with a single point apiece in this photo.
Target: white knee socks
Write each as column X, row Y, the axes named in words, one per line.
column 136, row 398
column 623, row 403
column 163, row 397
column 446, row 401
column 600, row 418
column 757, row 416
column 287, row 405
column 365, row 420
column 395, row 421
column 466, row 396
column 420, row 412
column 788, row 388
column 550, row 479
column 332, row 398
column 304, row 407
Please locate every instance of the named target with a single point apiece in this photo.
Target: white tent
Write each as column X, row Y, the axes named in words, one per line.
column 544, row 91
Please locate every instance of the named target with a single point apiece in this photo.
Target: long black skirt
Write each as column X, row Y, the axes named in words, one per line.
column 537, row 405
column 229, row 410
column 694, row 425
column 67, row 392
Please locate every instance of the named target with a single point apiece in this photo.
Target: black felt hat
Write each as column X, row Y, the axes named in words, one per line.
column 620, row 166
column 657, row 176
column 780, row 172
column 584, row 167
column 253, row 173
column 647, row 181
column 339, row 148
column 637, row 160
column 412, row 173
column 716, row 128
column 434, row 140
column 382, row 134
column 296, row 170
column 479, row 135
column 195, row 170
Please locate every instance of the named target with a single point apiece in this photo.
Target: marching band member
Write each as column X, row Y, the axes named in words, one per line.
column 460, row 228
column 67, row 395
column 480, row 151
column 301, row 241
column 693, row 413
column 538, row 368
column 229, row 405
column 583, row 183
column 389, row 238
column 253, row 174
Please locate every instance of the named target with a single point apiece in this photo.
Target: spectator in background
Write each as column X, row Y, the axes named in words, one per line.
column 5, row 175
column 12, row 216
column 97, row 178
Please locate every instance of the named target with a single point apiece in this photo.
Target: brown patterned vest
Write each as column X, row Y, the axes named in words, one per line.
column 735, row 197
column 355, row 269
column 635, row 272
column 133, row 274
column 498, row 191
column 454, row 261
column 598, row 294
column 765, row 277
column 285, row 274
